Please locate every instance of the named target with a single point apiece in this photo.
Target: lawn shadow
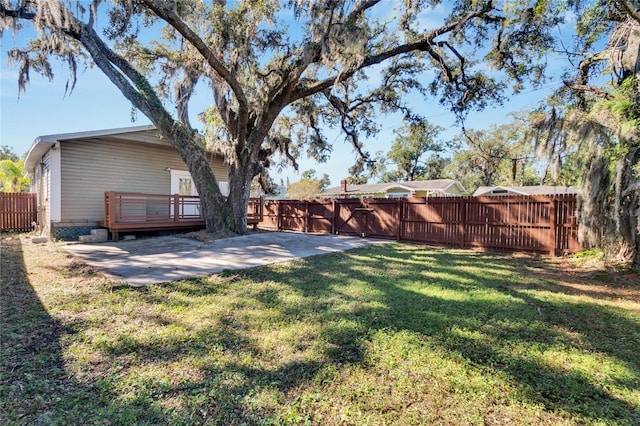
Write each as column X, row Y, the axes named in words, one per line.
column 518, row 319
column 437, row 295
column 35, row 387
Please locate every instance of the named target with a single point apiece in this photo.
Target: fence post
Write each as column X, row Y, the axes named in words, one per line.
column 365, row 219
column 261, row 214
column 400, row 205
column 279, row 216
column 553, row 219
column 334, row 206
column 306, row 217
column 462, row 205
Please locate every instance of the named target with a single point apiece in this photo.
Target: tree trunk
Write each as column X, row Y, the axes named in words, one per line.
column 610, row 210
column 240, row 176
column 218, row 216
column 627, row 205
column 593, row 204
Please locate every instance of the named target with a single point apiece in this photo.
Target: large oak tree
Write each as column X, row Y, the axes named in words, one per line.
column 280, row 72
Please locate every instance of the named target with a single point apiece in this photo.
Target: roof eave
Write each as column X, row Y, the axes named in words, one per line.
column 35, row 153
column 43, row 143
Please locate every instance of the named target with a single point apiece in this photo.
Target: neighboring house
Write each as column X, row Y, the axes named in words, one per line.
column 71, row 172
column 524, row 190
column 422, row 188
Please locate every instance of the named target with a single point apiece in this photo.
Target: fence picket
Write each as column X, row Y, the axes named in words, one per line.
column 18, row 212
column 504, row 223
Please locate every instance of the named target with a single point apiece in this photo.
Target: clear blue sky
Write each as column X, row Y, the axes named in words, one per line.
column 96, row 104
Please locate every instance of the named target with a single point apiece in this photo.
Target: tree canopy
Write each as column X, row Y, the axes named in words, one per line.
column 6, row 153
column 13, row 176
column 415, row 153
column 499, row 155
column 309, row 186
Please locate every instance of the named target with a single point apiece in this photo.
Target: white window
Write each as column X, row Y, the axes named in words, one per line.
column 398, row 194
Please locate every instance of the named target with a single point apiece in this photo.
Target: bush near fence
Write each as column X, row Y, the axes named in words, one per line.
column 523, row 223
column 18, row 212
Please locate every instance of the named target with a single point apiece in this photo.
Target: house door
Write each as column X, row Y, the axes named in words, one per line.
column 182, row 183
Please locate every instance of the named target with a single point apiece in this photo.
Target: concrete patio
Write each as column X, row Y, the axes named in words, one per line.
column 161, row 259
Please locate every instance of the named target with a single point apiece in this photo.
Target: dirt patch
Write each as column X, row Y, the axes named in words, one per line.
column 24, row 263
column 591, row 278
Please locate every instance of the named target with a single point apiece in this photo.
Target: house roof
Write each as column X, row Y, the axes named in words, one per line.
column 41, row 145
column 527, row 190
column 420, row 185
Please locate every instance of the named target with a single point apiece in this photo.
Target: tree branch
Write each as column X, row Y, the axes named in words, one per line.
column 184, row 90
column 425, row 44
column 587, row 63
column 352, row 135
column 632, row 8
column 163, row 11
column 586, row 88
column 133, row 85
column 116, row 69
column 20, row 13
column 359, row 9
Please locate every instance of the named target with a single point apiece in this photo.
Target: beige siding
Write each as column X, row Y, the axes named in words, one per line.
column 90, row 168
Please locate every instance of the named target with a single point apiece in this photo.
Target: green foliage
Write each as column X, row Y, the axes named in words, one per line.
column 304, row 189
column 623, row 103
column 589, row 134
column 408, row 153
column 13, row 176
column 6, row 153
column 501, row 155
column 311, row 175
column 592, row 252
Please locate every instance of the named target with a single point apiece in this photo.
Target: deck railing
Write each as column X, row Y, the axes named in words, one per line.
column 131, row 208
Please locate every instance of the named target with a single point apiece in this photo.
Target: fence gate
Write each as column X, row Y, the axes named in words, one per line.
column 369, row 217
column 18, row 212
column 351, row 217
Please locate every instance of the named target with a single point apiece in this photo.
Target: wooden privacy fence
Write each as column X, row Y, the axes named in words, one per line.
column 18, row 212
column 529, row 223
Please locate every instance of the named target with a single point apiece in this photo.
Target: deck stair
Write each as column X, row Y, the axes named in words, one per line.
column 97, row 236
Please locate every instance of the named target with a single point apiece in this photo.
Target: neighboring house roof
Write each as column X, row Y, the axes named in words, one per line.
column 525, row 190
column 41, row 145
column 441, row 185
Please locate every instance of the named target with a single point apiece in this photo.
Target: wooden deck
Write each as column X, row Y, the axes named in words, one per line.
column 130, row 211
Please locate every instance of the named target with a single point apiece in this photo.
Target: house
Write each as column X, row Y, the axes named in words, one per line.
column 524, row 190
column 422, row 188
column 71, row 173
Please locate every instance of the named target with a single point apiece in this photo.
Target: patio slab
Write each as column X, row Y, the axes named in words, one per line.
column 162, row 259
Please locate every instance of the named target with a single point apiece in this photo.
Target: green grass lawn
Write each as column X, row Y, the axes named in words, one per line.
column 391, row 334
